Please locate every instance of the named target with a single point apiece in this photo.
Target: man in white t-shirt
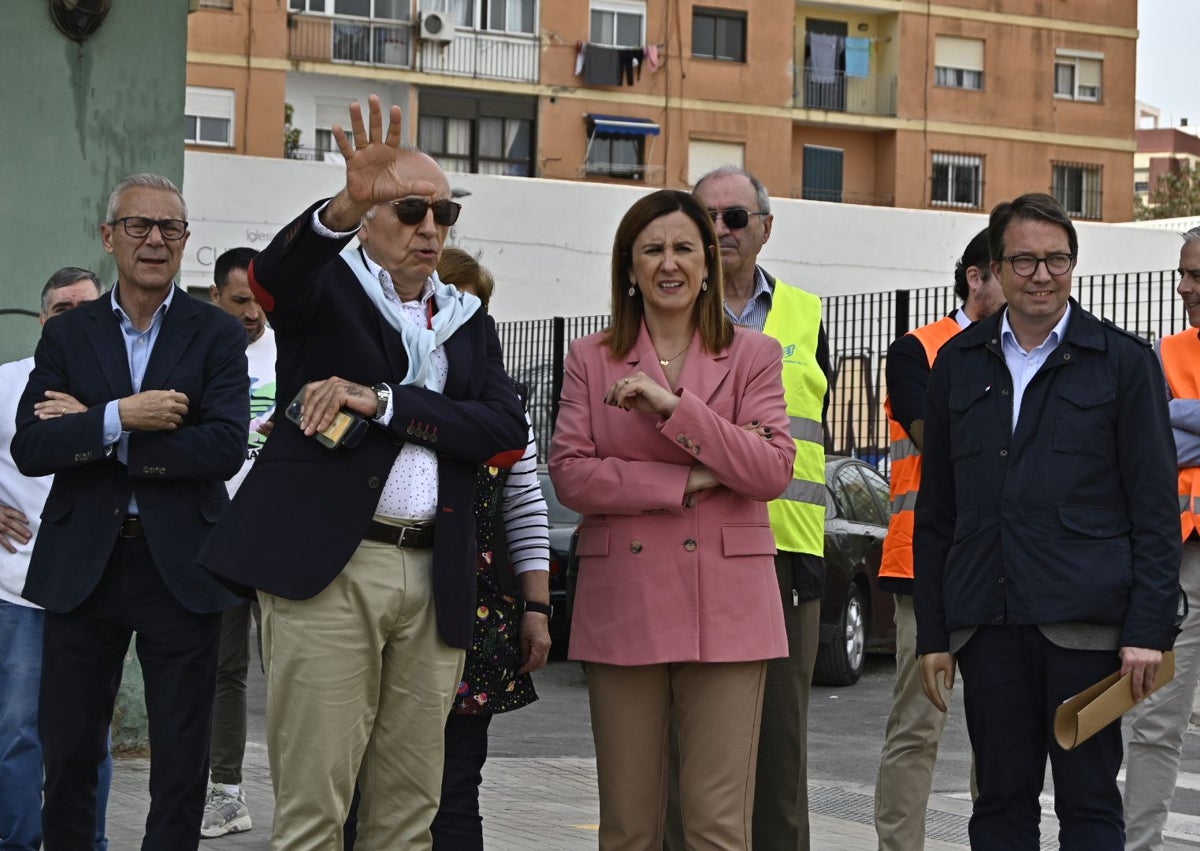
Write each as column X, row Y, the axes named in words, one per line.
column 21, row 501
column 225, row 811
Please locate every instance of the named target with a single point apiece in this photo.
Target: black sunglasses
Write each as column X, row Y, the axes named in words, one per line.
column 411, row 211
column 735, row 218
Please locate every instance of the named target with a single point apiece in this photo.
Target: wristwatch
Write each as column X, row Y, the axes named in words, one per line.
column 383, row 395
column 541, row 608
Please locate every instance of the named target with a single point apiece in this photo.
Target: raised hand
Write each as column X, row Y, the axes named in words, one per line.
column 375, row 166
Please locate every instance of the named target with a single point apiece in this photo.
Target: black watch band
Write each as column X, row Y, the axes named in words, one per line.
column 541, row 608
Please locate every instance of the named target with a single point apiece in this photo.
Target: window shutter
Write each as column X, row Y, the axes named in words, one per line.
column 213, row 103
column 1089, row 72
column 964, row 53
column 704, row 156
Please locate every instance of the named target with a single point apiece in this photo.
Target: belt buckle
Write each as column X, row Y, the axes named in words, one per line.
column 408, row 535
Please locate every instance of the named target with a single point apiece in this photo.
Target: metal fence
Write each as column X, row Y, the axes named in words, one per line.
column 860, row 329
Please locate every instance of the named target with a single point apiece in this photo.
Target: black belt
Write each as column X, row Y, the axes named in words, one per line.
column 131, row 527
column 408, row 537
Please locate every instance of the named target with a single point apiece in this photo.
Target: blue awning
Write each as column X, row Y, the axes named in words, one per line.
column 619, row 125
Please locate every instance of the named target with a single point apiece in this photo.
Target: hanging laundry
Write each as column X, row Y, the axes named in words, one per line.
column 858, row 57
column 651, row 54
column 629, row 58
column 580, row 57
column 603, row 66
column 823, row 53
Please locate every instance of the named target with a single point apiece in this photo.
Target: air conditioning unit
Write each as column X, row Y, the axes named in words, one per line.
column 435, row 26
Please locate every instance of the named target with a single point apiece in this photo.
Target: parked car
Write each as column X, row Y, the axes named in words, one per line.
column 563, row 522
column 856, row 617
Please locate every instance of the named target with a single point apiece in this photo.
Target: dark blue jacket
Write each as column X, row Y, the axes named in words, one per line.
column 178, row 476
column 1073, row 517
column 303, row 509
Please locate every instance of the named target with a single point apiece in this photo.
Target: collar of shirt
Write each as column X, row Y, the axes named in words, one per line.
column 1009, row 340
column 758, row 303
column 389, row 288
column 124, row 317
column 960, row 316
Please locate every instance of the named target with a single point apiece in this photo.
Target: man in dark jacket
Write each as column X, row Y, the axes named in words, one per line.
column 1046, row 545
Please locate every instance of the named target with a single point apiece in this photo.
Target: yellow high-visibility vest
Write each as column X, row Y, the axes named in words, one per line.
column 798, row 517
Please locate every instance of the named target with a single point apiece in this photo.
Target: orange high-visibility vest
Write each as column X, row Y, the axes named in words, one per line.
column 906, row 465
column 1181, row 365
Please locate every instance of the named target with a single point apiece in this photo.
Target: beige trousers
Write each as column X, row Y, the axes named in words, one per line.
column 718, row 708
column 359, row 684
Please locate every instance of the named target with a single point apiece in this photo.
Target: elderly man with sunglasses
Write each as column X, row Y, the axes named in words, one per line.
column 363, row 556
column 741, row 212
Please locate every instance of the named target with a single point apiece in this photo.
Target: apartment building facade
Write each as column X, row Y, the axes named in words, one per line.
column 956, row 104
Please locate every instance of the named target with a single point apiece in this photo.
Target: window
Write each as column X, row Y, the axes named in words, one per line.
column 957, row 180
column 477, row 135
column 822, row 174
column 958, row 62
column 1077, row 75
column 719, row 34
column 704, row 156
column 208, row 116
column 392, row 10
column 617, row 146
column 618, row 24
column 1078, row 188
column 856, row 498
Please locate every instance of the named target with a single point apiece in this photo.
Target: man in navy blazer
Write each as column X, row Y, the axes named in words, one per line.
column 363, row 556
column 139, row 481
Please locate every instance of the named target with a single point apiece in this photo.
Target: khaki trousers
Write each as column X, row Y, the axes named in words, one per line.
column 718, row 708
column 914, row 729
column 359, row 684
column 1159, row 722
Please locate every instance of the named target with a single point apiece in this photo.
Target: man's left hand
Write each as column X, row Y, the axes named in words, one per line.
column 323, row 399
column 57, row 404
column 1143, row 664
column 535, row 641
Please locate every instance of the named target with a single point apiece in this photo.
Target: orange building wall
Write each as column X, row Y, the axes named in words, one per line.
column 860, row 162
column 253, row 28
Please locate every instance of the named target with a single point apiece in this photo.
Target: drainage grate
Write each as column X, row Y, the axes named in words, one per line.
column 843, row 804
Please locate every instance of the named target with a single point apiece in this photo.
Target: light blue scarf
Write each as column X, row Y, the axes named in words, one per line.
column 454, row 308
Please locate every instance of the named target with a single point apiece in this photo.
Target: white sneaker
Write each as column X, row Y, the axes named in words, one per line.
column 224, row 813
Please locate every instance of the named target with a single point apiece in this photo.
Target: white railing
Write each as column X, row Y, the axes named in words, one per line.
column 480, row 53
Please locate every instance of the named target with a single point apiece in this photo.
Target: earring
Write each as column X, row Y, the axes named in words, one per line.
column 632, row 290
column 704, row 285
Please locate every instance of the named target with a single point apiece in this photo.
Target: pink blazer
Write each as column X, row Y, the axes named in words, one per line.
column 665, row 577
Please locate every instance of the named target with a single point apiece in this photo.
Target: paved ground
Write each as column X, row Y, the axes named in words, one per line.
column 543, row 804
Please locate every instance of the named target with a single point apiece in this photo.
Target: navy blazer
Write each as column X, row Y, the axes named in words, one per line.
column 304, row 509
column 178, row 476
column 1073, row 516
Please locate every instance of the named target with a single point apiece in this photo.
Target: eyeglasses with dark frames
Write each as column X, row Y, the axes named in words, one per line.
column 411, row 211
column 139, row 227
column 1026, row 265
column 735, row 218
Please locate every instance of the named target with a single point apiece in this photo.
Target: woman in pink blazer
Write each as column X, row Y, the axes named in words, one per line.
column 671, row 436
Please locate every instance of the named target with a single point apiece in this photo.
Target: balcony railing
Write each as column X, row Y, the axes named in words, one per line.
column 480, row 53
column 321, row 38
column 837, row 92
column 471, row 53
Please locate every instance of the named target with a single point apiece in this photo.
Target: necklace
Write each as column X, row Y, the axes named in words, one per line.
column 667, row 361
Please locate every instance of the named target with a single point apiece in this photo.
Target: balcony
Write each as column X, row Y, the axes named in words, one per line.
column 836, row 92
column 482, row 54
column 324, row 38
column 392, row 44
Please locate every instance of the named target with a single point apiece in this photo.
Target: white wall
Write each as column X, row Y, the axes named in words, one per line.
column 549, row 243
column 305, row 91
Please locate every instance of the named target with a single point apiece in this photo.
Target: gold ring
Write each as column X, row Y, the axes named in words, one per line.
column 359, row 147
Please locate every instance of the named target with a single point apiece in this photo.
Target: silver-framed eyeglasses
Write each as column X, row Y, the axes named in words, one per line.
column 139, row 227
column 1026, row 265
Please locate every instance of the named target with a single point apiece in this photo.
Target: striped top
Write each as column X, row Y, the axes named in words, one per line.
column 523, row 509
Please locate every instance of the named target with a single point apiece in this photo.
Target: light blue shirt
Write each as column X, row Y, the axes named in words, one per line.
column 754, row 314
column 1023, row 365
column 138, row 347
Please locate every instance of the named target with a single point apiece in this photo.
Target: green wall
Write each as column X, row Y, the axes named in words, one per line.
column 77, row 119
